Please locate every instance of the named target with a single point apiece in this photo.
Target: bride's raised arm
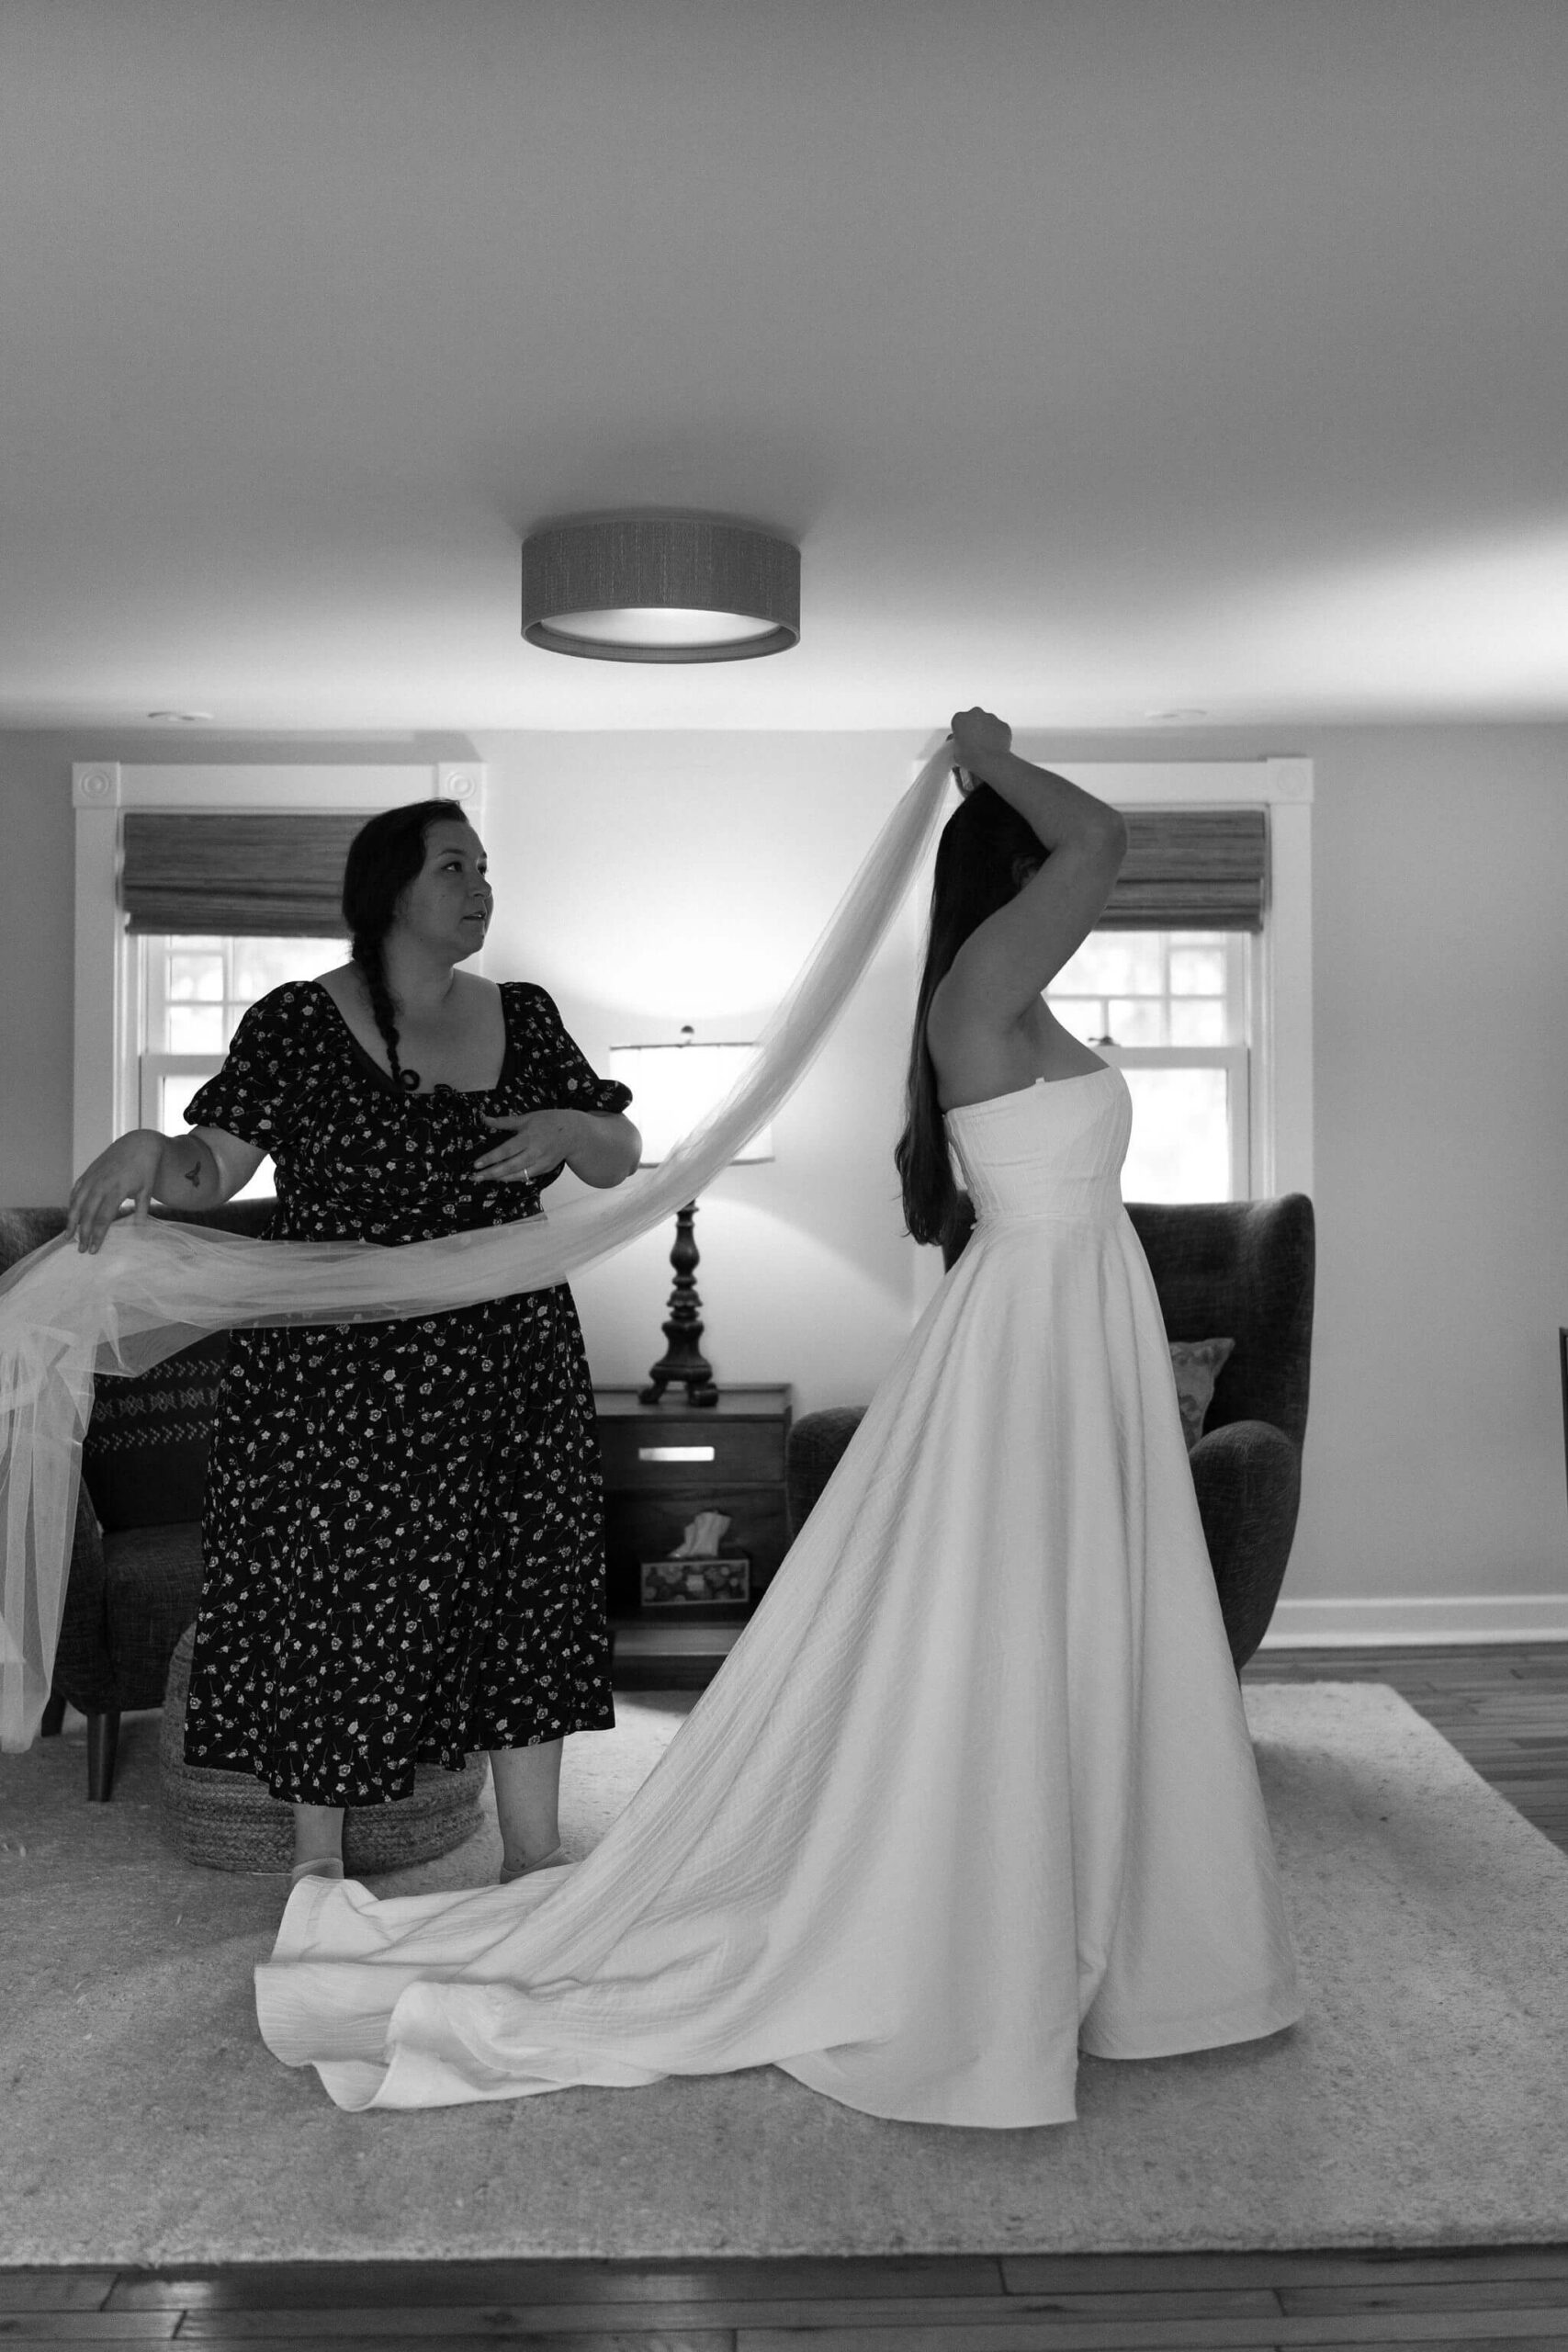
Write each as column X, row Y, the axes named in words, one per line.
column 1008, row 961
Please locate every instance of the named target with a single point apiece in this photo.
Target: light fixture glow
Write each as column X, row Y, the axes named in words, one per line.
column 651, row 624
column 659, row 588
column 674, row 1086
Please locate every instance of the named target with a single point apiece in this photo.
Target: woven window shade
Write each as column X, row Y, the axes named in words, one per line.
column 278, row 875
column 1191, row 869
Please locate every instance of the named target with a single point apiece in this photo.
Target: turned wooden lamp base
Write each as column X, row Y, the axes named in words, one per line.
column 683, row 1359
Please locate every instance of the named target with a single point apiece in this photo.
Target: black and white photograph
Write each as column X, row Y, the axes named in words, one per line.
column 784, row 1060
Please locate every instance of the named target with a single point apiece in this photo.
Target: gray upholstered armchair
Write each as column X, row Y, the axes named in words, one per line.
column 1237, row 1270
column 136, row 1563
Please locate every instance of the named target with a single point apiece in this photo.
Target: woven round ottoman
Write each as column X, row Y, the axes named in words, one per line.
column 227, row 1821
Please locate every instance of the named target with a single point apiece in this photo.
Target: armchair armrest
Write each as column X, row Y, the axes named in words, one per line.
column 812, row 1453
column 1248, row 1479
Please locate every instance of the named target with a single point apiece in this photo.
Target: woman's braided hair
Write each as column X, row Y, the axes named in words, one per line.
column 384, row 858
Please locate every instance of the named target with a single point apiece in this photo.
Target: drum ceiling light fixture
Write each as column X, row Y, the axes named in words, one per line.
column 659, row 588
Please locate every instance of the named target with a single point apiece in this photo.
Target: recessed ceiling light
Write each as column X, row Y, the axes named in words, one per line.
column 1188, row 713
column 181, row 718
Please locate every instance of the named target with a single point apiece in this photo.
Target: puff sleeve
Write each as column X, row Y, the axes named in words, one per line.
column 250, row 1096
column 558, row 1066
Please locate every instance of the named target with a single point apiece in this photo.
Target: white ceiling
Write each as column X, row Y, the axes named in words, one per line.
column 1106, row 357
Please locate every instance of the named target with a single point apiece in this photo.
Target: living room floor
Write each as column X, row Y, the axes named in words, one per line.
column 1505, row 1710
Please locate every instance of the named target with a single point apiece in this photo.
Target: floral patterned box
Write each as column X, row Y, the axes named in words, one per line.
column 695, row 1582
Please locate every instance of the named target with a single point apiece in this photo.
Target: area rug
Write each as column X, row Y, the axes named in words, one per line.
column 1424, row 2101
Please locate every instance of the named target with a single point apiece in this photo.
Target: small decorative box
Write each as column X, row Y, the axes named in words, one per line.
column 696, row 1583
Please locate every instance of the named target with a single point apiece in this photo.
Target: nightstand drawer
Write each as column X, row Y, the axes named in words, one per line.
column 641, row 1527
column 723, row 1453
column 666, row 1464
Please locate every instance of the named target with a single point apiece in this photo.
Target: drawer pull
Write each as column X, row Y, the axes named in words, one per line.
column 675, row 1453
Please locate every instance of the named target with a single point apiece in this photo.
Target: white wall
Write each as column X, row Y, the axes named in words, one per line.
column 649, row 880
column 1435, row 1465
column 37, row 886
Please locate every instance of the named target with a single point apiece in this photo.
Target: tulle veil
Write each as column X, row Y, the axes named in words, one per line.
column 66, row 1317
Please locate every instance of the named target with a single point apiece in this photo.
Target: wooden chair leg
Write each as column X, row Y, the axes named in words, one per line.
column 103, row 1738
column 53, row 1715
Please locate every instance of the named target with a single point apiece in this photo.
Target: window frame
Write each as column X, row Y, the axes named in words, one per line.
column 105, row 1087
column 154, row 1067
column 1234, row 1055
column 1235, row 1061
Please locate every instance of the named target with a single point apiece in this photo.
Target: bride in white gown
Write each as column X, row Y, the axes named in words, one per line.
column 974, row 1790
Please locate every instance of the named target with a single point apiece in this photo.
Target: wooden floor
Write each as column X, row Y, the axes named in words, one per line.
column 975, row 2302
column 1506, row 1710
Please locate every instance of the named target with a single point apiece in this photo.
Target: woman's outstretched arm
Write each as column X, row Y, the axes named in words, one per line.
column 197, row 1170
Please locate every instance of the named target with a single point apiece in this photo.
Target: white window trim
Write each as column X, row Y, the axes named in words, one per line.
column 104, row 1085
column 154, row 1068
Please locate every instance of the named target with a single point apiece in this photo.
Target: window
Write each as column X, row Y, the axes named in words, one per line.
column 1170, row 1009
column 193, row 989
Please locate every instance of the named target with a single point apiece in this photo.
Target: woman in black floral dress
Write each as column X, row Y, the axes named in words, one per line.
column 402, row 1528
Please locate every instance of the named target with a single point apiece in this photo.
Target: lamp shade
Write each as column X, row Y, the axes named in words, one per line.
column 674, row 1086
column 659, row 588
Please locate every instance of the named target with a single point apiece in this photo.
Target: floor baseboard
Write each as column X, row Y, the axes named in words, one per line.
column 1402, row 1622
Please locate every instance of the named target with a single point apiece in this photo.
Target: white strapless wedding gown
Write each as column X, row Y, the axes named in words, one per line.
column 972, row 1791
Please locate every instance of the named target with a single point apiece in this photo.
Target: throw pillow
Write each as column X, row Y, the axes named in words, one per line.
column 1197, row 1364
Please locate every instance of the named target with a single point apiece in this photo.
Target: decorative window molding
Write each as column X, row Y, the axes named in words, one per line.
column 108, row 1015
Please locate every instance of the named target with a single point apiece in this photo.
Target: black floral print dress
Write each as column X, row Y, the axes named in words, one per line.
column 402, row 1525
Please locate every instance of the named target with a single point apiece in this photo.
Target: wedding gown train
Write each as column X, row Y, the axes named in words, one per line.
column 974, row 1790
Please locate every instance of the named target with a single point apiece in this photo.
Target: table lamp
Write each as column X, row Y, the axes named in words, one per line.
column 674, row 1086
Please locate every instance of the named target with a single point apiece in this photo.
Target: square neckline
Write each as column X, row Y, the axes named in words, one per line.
column 423, row 1094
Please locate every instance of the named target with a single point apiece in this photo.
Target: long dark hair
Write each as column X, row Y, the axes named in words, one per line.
column 976, row 861
column 384, row 858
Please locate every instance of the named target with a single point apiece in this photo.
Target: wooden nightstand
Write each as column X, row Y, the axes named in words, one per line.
column 665, row 1462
